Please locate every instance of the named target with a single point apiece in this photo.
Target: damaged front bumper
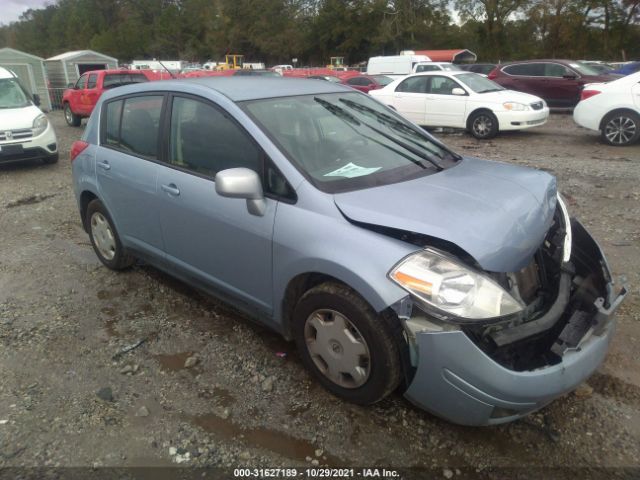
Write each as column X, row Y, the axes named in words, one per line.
column 457, row 379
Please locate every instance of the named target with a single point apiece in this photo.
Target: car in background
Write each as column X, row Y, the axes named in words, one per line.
column 25, row 132
column 558, row 82
column 628, row 68
column 461, row 281
column 599, row 66
column 613, row 109
column 80, row 98
column 366, row 83
column 462, row 100
column 481, row 68
column 435, row 66
column 249, row 72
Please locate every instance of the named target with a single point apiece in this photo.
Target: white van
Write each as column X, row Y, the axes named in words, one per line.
column 394, row 66
column 25, row 132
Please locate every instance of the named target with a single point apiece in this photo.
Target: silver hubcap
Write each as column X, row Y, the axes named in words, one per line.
column 337, row 348
column 482, row 125
column 620, row 130
column 67, row 114
column 103, row 237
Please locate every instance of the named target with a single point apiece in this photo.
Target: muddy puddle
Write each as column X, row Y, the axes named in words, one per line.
column 264, row 438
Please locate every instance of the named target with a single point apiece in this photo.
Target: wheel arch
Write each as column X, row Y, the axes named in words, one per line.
column 86, row 197
column 480, row 110
column 617, row 110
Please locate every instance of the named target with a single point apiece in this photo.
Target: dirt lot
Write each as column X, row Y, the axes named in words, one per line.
column 69, row 397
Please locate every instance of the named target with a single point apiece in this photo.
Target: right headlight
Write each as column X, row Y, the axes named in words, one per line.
column 453, row 289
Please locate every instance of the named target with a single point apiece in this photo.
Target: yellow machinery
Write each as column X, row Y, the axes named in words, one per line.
column 337, row 63
column 231, row 62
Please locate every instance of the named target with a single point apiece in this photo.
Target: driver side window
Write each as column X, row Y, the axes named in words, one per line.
column 442, row 86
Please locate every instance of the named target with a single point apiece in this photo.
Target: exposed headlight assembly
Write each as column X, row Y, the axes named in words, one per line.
column 515, row 106
column 451, row 289
column 40, row 125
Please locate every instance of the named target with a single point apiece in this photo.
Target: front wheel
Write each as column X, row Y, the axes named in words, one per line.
column 104, row 237
column 349, row 348
column 71, row 118
column 621, row 128
column 483, row 125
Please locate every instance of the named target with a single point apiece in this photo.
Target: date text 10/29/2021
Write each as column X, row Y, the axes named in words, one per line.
column 315, row 473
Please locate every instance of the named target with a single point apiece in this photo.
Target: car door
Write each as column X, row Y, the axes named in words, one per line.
column 409, row 98
column 525, row 77
column 75, row 95
column 127, row 169
column 88, row 95
column 443, row 108
column 208, row 238
column 635, row 93
column 561, row 85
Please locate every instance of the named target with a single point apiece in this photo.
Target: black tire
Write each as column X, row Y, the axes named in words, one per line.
column 71, row 118
column 620, row 128
column 51, row 159
column 383, row 360
column 483, row 125
column 116, row 258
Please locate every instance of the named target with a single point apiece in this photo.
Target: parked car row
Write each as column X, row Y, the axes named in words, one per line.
column 480, row 300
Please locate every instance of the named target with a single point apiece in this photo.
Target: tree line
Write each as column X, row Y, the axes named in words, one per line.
column 276, row 31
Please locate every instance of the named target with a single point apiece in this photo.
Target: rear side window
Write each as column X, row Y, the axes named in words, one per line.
column 204, row 140
column 442, row 86
column 133, row 124
column 414, row 85
column 93, row 79
column 555, row 70
column 525, row 70
column 112, row 80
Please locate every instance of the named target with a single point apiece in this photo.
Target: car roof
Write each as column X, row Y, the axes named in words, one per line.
column 241, row 88
column 446, row 73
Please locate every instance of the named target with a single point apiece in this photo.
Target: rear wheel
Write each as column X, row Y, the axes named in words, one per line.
column 349, row 348
column 104, row 237
column 483, row 125
column 621, row 128
column 72, row 119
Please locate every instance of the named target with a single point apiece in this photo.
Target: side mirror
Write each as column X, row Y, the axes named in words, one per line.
column 242, row 183
column 36, row 99
column 458, row 91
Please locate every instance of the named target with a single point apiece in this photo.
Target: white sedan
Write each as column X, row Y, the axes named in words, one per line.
column 462, row 100
column 613, row 109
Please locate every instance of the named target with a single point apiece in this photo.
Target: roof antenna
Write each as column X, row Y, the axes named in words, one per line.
column 168, row 71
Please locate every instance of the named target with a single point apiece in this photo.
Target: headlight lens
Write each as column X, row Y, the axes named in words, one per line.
column 40, row 125
column 452, row 288
column 515, row 106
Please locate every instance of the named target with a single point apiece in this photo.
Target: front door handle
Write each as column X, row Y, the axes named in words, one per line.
column 104, row 165
column 171, row 189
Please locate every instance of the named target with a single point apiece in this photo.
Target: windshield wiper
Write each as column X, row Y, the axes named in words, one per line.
column 397, row 123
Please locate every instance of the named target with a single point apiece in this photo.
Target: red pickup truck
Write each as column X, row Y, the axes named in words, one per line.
column 79, row 99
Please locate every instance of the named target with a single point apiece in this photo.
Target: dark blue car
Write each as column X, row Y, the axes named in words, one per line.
column 628, row 69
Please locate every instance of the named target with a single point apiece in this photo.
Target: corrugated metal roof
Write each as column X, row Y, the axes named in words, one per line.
column 19, row 52
column 78, row 53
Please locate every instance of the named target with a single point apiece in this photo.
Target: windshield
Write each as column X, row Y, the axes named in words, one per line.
column 382, row 79
column 12, row 94
column 583, row 68
column 112, row 80
column 348, row 141
column 478, row 83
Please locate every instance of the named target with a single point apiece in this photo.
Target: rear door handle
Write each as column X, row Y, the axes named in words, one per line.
column 104, row 165
column 171, row 189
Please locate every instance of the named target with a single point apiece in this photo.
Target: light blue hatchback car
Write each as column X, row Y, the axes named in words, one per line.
column 391, row 261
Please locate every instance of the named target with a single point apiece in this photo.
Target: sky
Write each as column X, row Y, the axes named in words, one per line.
column 10, row 10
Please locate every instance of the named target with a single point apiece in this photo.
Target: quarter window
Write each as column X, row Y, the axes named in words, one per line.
column 206, row 141
column 112, row 123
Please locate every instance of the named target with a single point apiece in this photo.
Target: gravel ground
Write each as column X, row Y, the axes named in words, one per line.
column 202, row 386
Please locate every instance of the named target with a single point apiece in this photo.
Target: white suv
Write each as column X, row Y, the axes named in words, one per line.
column 25, row 132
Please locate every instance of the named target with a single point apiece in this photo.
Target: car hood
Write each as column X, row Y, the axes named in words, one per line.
column 502, row 96
column 17, row 118
column 497, row 213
